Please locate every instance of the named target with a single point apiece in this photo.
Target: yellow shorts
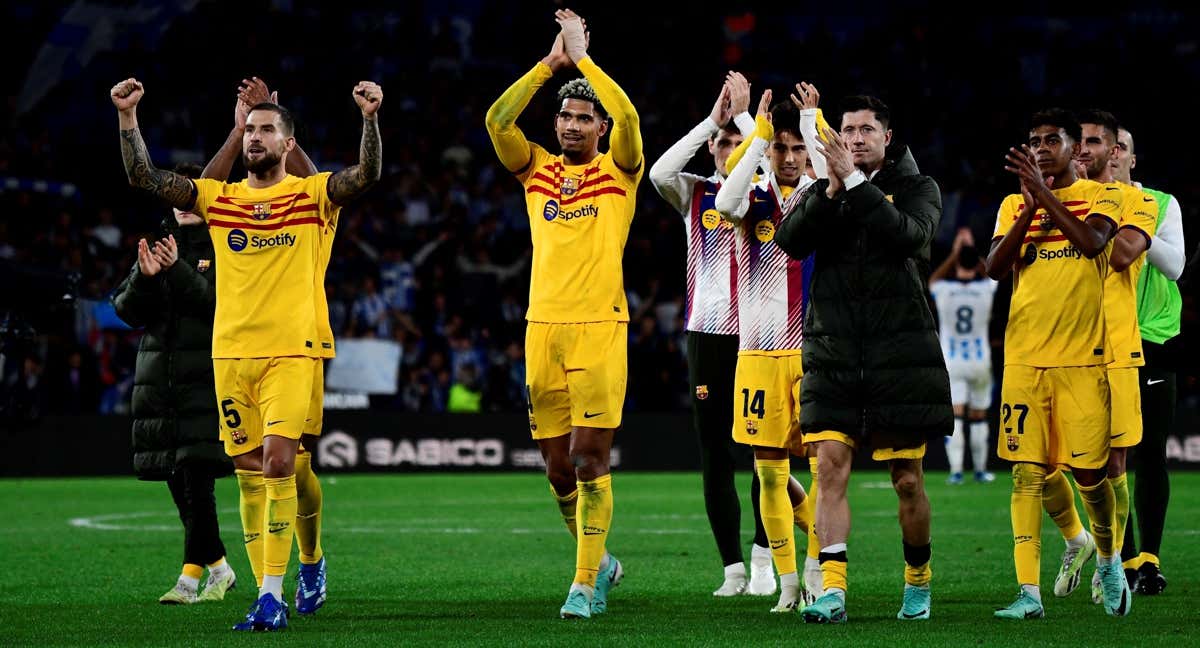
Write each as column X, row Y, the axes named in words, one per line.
column 1055, row 416
column 1126, row 397
column 257, row 394
column 766, row 400
column 575, row 376
column 878, row 454
column 316, row 403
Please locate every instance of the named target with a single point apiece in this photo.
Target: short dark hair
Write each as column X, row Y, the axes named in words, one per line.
column 285, row 115
column 189, row 170
column 856, row 103
column 1101, row 118
column 729, row 127
column 1059, row 118
column 968, row 257
column 582, row 90
column 786, row 117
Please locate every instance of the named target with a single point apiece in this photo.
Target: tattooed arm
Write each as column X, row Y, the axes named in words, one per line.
column 352, row 182
column 178, row 191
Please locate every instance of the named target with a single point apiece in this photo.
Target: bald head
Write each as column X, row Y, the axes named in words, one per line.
column 1123, row 160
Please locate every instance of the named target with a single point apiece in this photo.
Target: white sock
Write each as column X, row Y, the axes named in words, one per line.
column 834, row 548
column 1078, row 541
column 604, row 561
column 758, row 554
column 737, row 569
column 586, row 589
column 811, row 564
column 220, row 570
column 272, row 585
column 979, row 445
column 1108, row 560
column 954, row 447
column 792, row 580
column 189, row 582
column 1034, row 591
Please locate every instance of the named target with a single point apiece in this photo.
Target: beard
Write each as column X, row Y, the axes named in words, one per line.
column 267, row 162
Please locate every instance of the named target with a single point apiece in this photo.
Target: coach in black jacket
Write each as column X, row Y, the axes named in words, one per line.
column 874, row 374
column 176, row 435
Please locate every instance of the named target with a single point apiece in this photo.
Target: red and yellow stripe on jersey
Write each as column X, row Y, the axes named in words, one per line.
column 1057, row 313
column 579, row 218
column 1139, row 212
column 272, row 246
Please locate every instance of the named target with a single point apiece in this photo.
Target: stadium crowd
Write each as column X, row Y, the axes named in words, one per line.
column 436, row 258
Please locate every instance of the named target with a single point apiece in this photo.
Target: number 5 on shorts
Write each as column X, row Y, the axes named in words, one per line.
column 232, row 418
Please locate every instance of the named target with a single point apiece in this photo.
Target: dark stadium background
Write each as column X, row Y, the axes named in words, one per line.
column 448, row 222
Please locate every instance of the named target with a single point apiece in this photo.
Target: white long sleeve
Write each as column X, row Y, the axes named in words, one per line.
column 808, row 129
column 667, row 174
column 1167, row 248
column 733, row 199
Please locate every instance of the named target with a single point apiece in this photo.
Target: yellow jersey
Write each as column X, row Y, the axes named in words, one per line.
column 272, row 247
column 1139, row 211
column 579, row 218
column 1057, row 314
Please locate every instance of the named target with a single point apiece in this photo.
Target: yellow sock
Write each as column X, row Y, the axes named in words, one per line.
column 280, row 522
column 917, row 561
column 773, row 504
column 1100, row 503
column 1028, row 481
column 594, row 513
column 833, row 566
column 1145, row 557
column 568, row 506
column 214, row 565
column 253, row 505
column 1120, row 486
column 814, row 546
column 193, row 571
column 309, row 500
column 1059, row 501
column 1134, row 563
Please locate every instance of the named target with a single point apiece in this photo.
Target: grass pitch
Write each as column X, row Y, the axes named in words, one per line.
column 484, row 559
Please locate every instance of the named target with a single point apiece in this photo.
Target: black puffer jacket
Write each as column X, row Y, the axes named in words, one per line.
column 174, row 403
column 873, row 367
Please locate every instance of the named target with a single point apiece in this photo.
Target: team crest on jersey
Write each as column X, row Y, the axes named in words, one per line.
column 569, row 186
column 701, row 392
column 239, row 436
column 764, row 231
column 203, row 265
column 262, row 211
column 751, row 427
column 1013, row 442
column 532, row 424
column 710, row 219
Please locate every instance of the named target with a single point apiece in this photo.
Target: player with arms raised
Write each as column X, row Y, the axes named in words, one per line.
column 271, row 233
column 580, row 205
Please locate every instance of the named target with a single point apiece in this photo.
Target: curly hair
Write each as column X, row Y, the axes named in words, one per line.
column 582, row 90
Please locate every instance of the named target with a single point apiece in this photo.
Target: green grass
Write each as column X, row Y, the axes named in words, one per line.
column 483, row 559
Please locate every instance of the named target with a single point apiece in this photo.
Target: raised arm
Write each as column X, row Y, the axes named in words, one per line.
column 625, row 140
column 733, row 198
column 806, row 99
column 352, row 182
column 177, row 190
column 252, row 92
column 511, row 146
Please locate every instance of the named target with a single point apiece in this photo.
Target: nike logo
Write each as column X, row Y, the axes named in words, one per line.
column 758, row 200
column 1112, row 188
column 1155, row 382
column 1031, row 614
column 588, row 415
column 911, row 616
column 587, row 531
column 1147, row 199
column 276, row 527
column 273, row 423
column 709, row 193
column 1117, row 436
column 1078, row 454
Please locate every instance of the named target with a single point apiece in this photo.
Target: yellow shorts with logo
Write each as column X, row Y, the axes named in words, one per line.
column 878, row 454
column 1055, row 416
column 766, row 400
column 575, row 376
column 316, row 403
column 257, row 396
column 1126, row 396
